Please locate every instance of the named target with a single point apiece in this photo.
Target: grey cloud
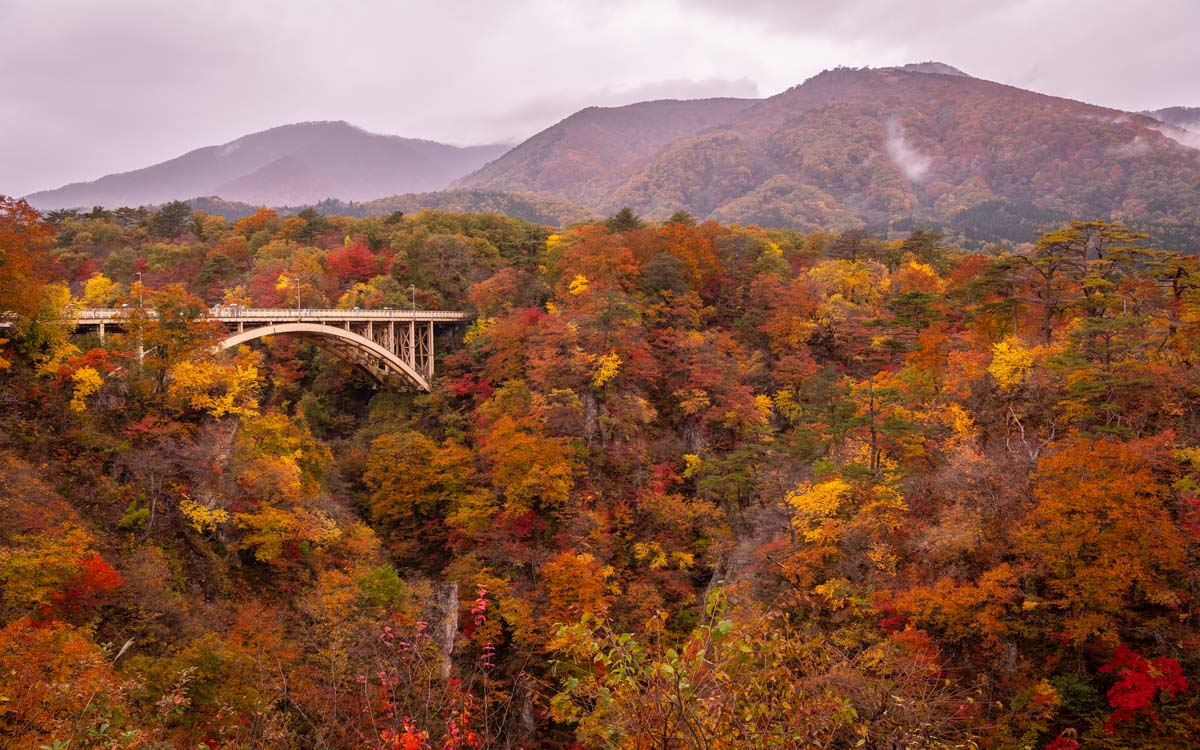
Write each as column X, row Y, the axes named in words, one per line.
column 1111, row 52
column 95, row 87
column 541, row 111
column 858, row 18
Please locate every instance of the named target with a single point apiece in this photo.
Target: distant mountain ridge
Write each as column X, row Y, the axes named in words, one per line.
column 923, row 143
column 287, row 165
column 535, row 208
column 850, row 147
column 1182, row 117
column 581, row 157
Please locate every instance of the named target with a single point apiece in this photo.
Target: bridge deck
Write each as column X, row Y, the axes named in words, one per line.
column 383, row 342
column 93, row 316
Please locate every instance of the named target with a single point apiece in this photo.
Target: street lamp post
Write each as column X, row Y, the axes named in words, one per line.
column 412, row 328
column 141, row 355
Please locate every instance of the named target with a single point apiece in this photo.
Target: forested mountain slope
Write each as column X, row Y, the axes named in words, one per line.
column 889, row 149
column 527, row 206
column 877, row 146
column 584, row 157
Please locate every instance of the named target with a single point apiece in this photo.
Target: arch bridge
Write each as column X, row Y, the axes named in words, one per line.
column 388, row 344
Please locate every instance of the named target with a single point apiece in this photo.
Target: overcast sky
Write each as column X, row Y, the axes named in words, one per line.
column 89, row 87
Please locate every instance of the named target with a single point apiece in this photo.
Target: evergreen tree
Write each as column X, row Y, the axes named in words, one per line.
column 171, row 219
column 624, row 220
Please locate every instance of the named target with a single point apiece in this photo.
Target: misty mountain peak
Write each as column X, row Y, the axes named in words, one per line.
column 931, row 66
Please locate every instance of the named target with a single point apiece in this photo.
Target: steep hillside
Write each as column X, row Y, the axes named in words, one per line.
column 288, row 165
column 889, row 144
column 874, row 146
column 809, row 487
column 594, row 150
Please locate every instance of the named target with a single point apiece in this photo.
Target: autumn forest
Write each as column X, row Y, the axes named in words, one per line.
column 678, row 484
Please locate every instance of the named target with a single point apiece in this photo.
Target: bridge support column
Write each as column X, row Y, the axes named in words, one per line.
column 412, row 344
column 102, row 332
column 429, row 353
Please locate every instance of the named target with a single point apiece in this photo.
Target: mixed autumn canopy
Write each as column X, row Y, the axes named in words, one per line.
column 678, row 485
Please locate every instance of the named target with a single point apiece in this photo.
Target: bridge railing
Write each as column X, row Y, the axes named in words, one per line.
column 291, row 313
column 254, row 314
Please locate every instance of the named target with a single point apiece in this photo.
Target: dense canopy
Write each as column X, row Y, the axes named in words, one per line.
column 678, row 485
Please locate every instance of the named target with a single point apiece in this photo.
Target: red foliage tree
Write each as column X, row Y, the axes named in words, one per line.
column 352, row 263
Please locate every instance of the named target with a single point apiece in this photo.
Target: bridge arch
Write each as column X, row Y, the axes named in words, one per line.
column 349, row 346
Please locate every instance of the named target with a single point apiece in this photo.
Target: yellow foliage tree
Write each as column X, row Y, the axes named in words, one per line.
column 816, row 506
column 87, row 381
column 607, row 367
column 99, row 291
column 1010, row 364
column 203, row 519
column 216, row 388
column 268, row 530
column 578, row 285
column 38, row 567
column 915, row 276
column 840, row 520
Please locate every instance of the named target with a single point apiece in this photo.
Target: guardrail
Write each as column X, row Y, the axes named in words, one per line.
column 248, row 314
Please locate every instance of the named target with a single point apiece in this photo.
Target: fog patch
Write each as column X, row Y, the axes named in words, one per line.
column 1137, row 147
column 541, row 112
column 911, row 162
column 1189, row 138
column 1115, row 119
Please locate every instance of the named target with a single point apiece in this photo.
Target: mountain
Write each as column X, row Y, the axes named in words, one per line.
column 593, row 151
column 1181, row 117
column 288, row 165
column 873, row 146
column 886, row 148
